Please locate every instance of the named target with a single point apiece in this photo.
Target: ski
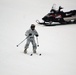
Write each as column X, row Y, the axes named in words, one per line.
column 31, row 54
column 35, row 54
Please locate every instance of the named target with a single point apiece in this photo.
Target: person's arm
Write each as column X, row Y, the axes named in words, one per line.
column 36, row 33
column 27, row 33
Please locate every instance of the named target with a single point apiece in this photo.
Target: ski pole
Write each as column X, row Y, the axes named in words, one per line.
column 37, row 41
column 21, row 41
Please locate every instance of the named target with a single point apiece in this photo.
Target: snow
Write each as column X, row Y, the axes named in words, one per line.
column 56, row 43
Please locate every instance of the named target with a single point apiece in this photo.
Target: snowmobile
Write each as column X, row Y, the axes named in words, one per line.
column 58, row 17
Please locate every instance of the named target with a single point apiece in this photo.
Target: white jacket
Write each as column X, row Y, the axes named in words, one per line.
column 30, row 31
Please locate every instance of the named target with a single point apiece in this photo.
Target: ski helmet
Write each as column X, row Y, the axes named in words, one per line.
column 32, row 26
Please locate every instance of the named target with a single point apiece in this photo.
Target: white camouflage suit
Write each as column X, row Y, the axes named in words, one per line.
column 31, row 39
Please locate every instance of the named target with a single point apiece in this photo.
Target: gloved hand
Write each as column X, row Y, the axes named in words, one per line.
column 30, row 34
column 37, row 35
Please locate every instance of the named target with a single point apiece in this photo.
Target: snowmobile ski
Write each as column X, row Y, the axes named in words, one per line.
column 31, row 54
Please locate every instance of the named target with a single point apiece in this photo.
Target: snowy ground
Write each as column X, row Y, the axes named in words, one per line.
column 57, row 43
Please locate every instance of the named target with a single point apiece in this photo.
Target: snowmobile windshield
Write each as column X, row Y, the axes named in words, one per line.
column 54, row 6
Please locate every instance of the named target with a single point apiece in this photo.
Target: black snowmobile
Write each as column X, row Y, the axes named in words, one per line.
column 59, row 17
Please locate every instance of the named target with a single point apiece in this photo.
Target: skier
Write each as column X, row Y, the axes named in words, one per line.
column 30, row 38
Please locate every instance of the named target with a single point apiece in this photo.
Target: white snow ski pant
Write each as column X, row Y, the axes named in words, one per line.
column 32, row 40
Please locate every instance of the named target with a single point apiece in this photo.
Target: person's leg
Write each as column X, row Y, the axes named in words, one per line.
column 26, row 46
column 34, row 46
